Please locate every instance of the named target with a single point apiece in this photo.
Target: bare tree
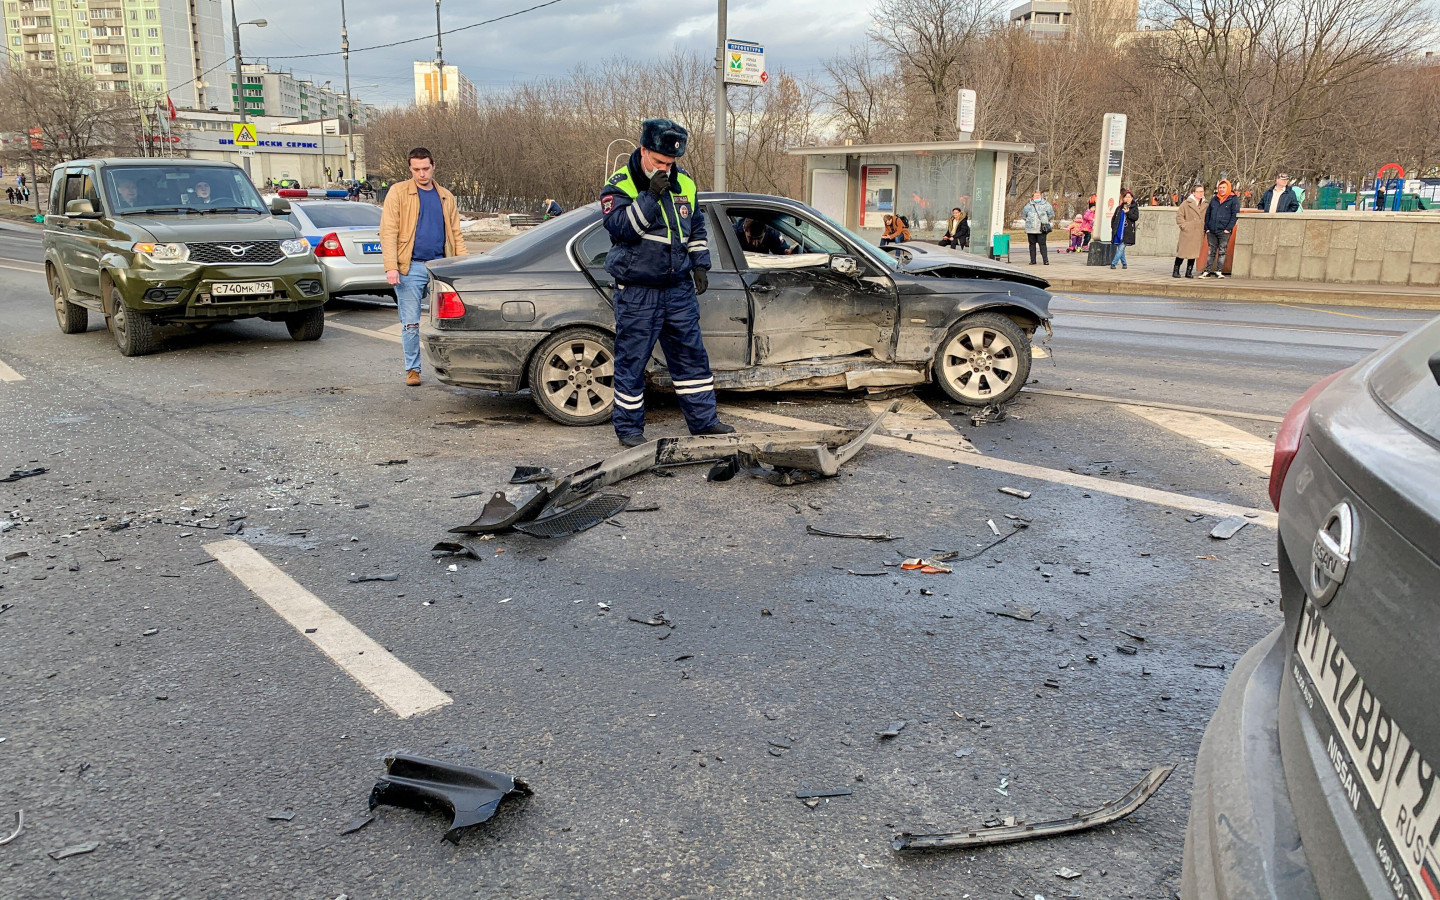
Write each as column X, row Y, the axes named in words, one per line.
column 63, row 111
column 929, row 40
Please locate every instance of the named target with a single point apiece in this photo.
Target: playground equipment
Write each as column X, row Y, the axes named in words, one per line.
column 1389, row 192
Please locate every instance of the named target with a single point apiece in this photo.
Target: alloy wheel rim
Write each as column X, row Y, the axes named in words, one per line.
column 578, row 377
column 59, row 296
column 980, row 363
column 117, row 322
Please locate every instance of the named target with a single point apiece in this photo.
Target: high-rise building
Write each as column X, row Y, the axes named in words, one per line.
column 270, row 92
column 432, row 86
column 1062, row 18
column 147, row 49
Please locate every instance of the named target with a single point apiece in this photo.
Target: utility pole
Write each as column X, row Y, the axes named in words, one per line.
column 439, row 60
column 240, row 78
column 721, row 108
column 349, row 105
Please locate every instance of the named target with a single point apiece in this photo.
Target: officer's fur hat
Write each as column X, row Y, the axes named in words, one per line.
column 664, row 136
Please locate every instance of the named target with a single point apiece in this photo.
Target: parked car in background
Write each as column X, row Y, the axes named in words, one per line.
column 346, row 238
column 821, row 309
column 148, row 242
column 1317, row 777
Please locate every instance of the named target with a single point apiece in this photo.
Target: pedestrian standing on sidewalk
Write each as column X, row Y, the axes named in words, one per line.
column 1039, row 218
column 420, row 222
column 1122, row 228
column 1279, row 199
column 1220, row 216
column 1190, row 217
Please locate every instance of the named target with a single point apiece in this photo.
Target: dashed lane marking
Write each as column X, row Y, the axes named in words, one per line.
column 9, row 374
column 1229, row 441
column 1261, row 517
column 395, row 684
column 1203, row 410
column 369, row 332
column 39, row 270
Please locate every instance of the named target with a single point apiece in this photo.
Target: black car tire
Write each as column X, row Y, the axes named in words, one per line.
column 307, row 325
column 134, row 331
column 72, row 318
column 984, row 360
column 572, row 376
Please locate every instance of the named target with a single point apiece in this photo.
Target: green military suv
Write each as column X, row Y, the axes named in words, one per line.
column 149, row 242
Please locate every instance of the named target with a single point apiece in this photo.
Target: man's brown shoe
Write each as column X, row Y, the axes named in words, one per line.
column 412, row 377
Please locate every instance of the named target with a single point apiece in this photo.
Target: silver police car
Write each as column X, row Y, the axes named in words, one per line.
column 346, row 238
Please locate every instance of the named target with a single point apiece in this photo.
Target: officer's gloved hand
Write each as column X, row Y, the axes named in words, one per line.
column 702, row 279
column 660, row 183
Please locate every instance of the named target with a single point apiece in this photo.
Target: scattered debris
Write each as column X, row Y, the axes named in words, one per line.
column 149, row 631
column 1013, row 611
column 76, row 850
column 859, row 535
column 1067, row 873
column 1132, row 635
column 18, row 474
column 895, row 728
column 866, row 574
column 357, row 823
column 964, row 752
column 1110, row 812
column 464, row 494
column 1015, row 492
column 1220, row 666
column 451, row 548
column 281, row 816
column 993, row 527
column 656, row 620
column 823, row 792
column 1127, row 649
column 530, row 474
column 18, row 554
column 992, row 414
column 648, row 507
column 469, row 794
column 1228, row 527
column 389, row 576
column 19, row 824
column 926, row 566
column 393, row 462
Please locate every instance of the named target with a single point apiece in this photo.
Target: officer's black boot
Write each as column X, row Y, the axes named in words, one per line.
column 717, row 428
column 632, row 440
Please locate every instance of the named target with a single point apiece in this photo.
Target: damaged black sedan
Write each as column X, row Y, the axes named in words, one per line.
column 819, row 309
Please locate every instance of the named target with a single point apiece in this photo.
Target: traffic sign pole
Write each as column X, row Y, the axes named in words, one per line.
column 721, row 125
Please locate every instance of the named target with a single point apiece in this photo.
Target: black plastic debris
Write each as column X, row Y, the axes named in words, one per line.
column 389, row 576
column 283, row 815
column 895, row 728
column 451, row 548
column 18, row 474
column 393, row 462
column 655, row 621
column 1228, row 527
column 468, row 794
column 858, row 535
column 357, row 823
column 530, row 474
column 822, row 793
column 1013, row 611
column 1127, row 649
column 584, row 515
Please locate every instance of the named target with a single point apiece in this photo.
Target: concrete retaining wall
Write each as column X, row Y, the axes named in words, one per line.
column 1340, row 247
column 1157, row 233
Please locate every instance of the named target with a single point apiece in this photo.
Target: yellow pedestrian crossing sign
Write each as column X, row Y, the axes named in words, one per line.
column 244, row 134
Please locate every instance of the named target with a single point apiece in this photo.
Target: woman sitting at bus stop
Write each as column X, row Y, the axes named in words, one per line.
column 957, row 230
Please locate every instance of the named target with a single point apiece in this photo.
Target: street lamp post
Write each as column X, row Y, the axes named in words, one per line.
column 721, row 125
column 440, row 61
column 324, row 155
column 235, row 24
column 349, row 105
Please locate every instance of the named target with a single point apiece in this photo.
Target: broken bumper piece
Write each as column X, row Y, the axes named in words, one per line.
column 469, row 795
column 545, row 505
column 979, row 837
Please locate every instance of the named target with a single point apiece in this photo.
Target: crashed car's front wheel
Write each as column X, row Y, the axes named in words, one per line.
column 572, row 376
column 984, row 359
column 134, row 331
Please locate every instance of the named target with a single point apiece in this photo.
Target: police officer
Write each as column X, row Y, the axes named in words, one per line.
column 660, row 262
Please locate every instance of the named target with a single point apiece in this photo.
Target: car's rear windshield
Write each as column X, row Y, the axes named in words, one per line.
column 342, row 215
column 1406, row 382
column 179, row 189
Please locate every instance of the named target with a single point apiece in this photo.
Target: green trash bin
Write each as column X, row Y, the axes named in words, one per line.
column 1000, row 246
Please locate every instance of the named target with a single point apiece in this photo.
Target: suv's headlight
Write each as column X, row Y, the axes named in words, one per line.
column 165, row 253
column 295, row 247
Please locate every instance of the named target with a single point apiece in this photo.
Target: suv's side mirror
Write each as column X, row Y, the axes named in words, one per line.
column 845, row 265
column 280, row 206
column 81, row 209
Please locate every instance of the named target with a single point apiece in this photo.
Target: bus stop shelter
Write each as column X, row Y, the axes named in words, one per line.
column 859, row 184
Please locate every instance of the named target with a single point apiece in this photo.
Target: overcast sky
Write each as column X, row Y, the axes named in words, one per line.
column 797, row 34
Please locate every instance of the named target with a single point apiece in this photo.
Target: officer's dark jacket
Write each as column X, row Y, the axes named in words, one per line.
column 652, row 242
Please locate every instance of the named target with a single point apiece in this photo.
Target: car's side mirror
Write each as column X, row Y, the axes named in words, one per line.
column 81, row 209
column 844, row 265
column 280, row 206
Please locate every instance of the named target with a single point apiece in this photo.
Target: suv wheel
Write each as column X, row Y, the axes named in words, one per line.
column 985, row 359
column 307, row 325
column 572, row 376
column 134, row 331
column 72, row 318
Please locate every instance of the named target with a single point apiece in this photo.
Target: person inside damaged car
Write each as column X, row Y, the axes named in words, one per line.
column 758, row 236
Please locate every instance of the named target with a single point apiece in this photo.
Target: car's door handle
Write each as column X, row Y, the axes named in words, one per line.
column 761, row 287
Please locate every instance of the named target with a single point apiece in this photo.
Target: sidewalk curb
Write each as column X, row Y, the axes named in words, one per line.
column 1211, row 289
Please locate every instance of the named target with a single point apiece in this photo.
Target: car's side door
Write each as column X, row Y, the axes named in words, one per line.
column 85, row 238
column 804, row 308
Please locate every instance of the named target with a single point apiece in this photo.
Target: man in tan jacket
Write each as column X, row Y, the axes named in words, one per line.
column 420, row 222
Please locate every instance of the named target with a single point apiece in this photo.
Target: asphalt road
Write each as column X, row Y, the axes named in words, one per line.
column 152, row 704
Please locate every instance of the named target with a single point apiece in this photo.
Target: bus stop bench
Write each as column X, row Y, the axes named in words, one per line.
column 522, row 220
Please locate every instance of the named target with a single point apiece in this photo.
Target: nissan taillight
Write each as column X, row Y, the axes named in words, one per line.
column 448, row 305
column 1287, row 439
column 330, row 246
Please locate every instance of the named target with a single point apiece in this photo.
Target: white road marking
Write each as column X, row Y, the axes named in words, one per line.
column 1203, row 410
column 915, row 420
column 393, row 329
column 331, row 323
column 35, row 271
column 9, row 374
column 1261, row 517
column 1241, row 446
column 394, row 683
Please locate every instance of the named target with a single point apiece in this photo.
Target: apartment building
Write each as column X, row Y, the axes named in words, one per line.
column 270, row 92
column 450, row 87
column 144, row 48
column 1058, row 19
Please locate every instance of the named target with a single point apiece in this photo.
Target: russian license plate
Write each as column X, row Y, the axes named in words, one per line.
column 241, row 288
column 370, row 248
column 1391, row 789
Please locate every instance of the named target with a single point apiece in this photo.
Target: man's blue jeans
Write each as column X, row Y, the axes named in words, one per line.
column 409, row 293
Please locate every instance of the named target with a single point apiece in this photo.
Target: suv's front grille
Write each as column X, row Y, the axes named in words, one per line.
column 254, row 253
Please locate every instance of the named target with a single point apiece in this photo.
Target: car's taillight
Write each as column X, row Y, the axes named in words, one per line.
column 448, row 305
column 330, row 246
column 1287, row 439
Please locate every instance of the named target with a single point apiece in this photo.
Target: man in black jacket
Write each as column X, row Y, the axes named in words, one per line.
column 1279, row 199
column 1220, row 217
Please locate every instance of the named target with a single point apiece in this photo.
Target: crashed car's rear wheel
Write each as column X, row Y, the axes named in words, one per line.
column 984, row 359
column 572, row 376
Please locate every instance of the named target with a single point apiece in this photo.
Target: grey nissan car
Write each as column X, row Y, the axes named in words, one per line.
column 1317, row 774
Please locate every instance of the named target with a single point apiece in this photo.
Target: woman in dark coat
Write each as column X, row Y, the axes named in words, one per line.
column 1122, row 228
column 957, row 231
